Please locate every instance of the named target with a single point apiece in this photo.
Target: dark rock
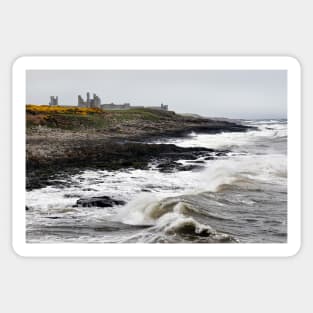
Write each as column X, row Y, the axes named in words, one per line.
column 170, row 167
column 167, row 167
column 191, row 167
column 103, row 202
column 222, row 153
column 71, row 195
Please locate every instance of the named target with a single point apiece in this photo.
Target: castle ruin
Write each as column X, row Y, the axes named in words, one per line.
column 54, row 100
column 94, row 102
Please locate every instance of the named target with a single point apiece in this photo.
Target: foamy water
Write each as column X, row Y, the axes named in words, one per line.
column 241, row 197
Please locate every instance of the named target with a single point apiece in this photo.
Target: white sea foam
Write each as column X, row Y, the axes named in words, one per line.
column 233, row 140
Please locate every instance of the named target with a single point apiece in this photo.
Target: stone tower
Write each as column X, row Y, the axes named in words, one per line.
column 54, row 100
column 94, row 102
column 81, row 102
column 164, row 107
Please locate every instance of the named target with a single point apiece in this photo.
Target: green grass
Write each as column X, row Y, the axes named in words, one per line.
column 97, row 120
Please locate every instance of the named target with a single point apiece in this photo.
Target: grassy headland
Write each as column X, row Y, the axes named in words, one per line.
column 108, row 121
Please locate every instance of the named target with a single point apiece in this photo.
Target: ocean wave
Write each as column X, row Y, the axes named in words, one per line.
column 246, row 171
column 265, row 130
column 169, row 218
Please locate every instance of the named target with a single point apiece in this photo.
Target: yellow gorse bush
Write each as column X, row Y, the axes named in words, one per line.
column 31, row 108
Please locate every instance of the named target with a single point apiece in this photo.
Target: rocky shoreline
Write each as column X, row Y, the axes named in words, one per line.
column 55, row 152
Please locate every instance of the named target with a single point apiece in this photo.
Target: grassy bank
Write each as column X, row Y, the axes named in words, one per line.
column 75, row 118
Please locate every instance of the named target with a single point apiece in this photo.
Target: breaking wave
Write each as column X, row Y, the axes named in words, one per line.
column 170, row 217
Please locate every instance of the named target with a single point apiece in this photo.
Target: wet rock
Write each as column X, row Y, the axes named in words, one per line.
column 170, row 167
column 197, row 161
column 89, row 189
column 191, row 167
column 167, row 167
column 68, row 195
column 222, row 153
column 102, row 202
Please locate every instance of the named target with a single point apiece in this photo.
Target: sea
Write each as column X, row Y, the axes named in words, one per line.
column 240, row 197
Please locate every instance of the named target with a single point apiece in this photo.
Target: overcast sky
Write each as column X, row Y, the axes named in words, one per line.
column 223, row 93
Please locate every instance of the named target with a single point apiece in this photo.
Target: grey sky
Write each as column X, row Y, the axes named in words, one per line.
column 223, row 93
